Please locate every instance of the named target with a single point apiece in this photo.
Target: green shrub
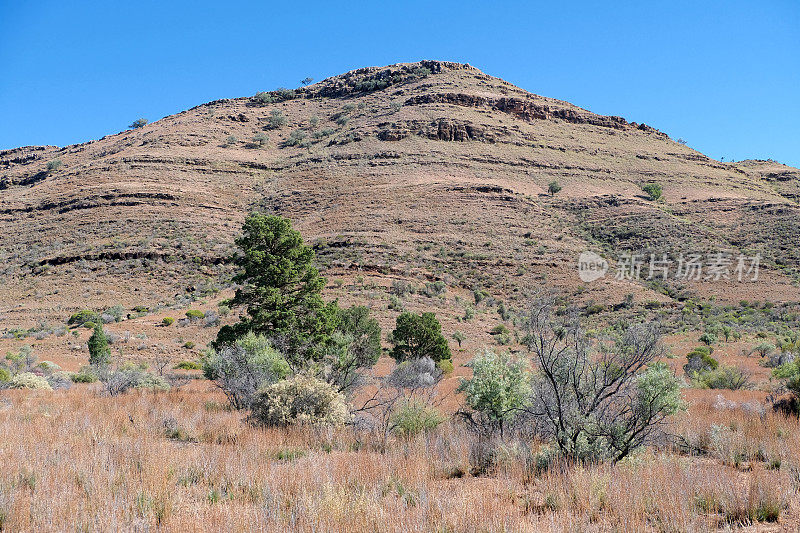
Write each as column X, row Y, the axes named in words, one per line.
column 299, row 400
column 708, row 338
column 85, row 317
column 195, row 314
column 459, row 338
column 700, row 360
column 446, row 366
column 5, row 375
column 84, row 375
column 167, row 321
column 499, row 387
column 263, row 98
column 416, row 336
column 189, row 345
column 99, row 352
column 653, row 190
column 54, row 165
column 260, row 140
column 138, row 123
column 764, row 349
column 189, row 365
column 296, row 138
column 499, row 329
column 412, row 418
column 241, row 368
column 553, row 188
column 724, row 377
column 231, row 140
column 153, row 382
column 276, row 119
column 27, row 380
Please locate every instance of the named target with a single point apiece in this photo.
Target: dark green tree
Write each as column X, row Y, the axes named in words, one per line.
column 418, row 336
column 99, row 352
column 280, row 290
column 553, row 188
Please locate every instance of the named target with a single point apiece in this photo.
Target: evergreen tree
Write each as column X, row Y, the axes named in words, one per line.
column 99, row 352
column 280, row 290
column 418, row 336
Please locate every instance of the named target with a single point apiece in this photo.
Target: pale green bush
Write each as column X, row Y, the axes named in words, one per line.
column 412, row 418
column 28, row 380
column 300, row 400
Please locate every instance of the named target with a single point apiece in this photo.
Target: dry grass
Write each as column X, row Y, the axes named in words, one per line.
column 182, row 461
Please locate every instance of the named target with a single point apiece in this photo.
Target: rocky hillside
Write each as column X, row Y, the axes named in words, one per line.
column 429, row 171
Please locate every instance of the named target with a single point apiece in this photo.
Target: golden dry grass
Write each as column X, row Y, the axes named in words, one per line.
column 181, row 461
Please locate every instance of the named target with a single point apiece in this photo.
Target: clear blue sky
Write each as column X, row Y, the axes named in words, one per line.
column 724, row 75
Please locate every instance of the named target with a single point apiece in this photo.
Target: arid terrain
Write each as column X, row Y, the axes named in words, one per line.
column 422, row 186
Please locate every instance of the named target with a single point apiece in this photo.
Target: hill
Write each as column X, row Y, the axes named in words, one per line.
column 420, row 172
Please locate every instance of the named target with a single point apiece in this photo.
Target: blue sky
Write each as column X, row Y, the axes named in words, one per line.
column 724, row 75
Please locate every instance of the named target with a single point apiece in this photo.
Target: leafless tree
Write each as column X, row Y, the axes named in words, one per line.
column 588, row 398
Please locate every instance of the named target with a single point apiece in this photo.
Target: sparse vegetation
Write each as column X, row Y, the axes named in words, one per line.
column 138, row 123
column 653, row 190
column 553, row 188
column 276, row 119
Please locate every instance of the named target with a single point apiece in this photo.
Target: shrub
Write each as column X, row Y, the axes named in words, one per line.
column 138, row 123
column 417, row 336
column 59, row 380
column 5, row 375
column 499, row 329
column 553, row 188
column 211, row 319
column 54, row 165
column 412, row 418
column 446, row 366
column 723, row 377
column 276, row 119
column 764, row 349
column 128, row 376
column 458, row 337
column 260, row 140
column 188, row 365
column 84, row 375
column 28, row 380
column 296, row 138
column 167, row 321
column 499, row 387
column 597, row 404
column 99, row 352
column 84, row 317
column 263, row 98
column 231, row 140
column 240, row 369
column 415, row 374
column 653, row 190
column 708, row 338
column 152, row 381
column 116, row 313
column 195, row 314
column 699, row 360
column 299, row 400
